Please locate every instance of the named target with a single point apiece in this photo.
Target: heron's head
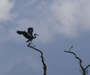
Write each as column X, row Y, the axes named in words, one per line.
column 30, row 29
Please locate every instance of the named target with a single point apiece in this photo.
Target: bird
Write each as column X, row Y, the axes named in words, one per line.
column 28, row 35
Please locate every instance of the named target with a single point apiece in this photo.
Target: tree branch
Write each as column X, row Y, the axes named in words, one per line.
column 87, row 67
column 84, row 70
column 42, row 59
column 79, row 59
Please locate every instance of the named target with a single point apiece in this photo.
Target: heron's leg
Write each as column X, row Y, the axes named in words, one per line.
column 27, row 40
column 29, row 43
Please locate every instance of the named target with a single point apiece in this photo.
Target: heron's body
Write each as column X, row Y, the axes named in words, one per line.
column 28, row 35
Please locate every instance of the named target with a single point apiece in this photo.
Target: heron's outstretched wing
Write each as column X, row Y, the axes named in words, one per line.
column 20, row 32
column 25, row 34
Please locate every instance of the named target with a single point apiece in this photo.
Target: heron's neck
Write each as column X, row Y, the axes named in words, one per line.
column 34, row 36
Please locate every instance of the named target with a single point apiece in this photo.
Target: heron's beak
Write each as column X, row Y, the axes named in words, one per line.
column 37, row 34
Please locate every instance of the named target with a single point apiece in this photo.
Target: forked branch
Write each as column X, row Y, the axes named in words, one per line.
column 84, row 69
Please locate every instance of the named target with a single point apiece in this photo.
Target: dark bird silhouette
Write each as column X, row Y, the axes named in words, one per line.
column 28, row 35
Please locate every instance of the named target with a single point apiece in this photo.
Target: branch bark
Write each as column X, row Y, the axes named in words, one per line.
column 84, row 69
column 42, row 59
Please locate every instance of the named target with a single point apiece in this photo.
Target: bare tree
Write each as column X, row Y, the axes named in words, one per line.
column 42, row 59
column 84, row 69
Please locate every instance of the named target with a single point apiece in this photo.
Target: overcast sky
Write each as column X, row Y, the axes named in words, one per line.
column 59, row 23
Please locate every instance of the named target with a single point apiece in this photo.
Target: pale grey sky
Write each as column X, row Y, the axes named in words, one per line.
column 59, row 23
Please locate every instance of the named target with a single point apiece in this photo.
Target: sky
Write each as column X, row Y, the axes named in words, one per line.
column 59, row 23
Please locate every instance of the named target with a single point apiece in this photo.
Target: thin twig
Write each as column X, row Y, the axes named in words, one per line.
column 42, row 59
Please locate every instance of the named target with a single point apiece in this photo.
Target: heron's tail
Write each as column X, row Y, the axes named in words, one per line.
column 20, row 32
